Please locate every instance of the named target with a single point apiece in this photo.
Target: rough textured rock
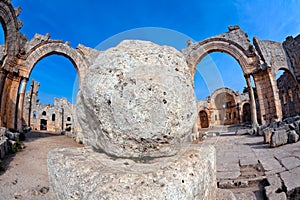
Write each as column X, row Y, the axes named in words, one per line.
column 223, row 194
column 11, row 135
column 278, row 138
column 249, row 131
column 267, row 135
column 293, row 137
column 275, row 185
column 80, row 173
column 137, row 100
column 291, row 180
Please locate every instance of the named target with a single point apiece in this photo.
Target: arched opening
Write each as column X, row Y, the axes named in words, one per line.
column 287, row 91
column 43, row 124
column 53, row 117
column 44, row 113
column 68, row 124
column 225, row 107
column 34, row 114
column 54, row 78
column 203, row 119
column 215, row 71
column 246, row 113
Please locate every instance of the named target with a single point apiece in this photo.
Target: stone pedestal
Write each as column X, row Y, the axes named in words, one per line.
column 81, row 173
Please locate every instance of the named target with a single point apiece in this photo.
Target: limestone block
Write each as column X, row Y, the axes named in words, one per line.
column 267, row 135
column 224, row 194
column 297, row 125
column 278, row 138
column 137, row 100
column 2, row 131
column 249, row 131
column 81, row 173
column 293, row 137
column 291, row 180
column 275, row 185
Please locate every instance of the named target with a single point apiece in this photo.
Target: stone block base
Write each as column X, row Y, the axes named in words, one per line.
column 81, row 173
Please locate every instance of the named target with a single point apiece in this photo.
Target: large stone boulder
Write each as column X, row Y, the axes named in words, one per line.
column 278, row 138
column 137, row 100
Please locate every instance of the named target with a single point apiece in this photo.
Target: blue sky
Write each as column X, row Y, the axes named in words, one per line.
column 91, row 22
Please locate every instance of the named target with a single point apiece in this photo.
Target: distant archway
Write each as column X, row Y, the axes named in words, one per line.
column 246, row 113
column 204, row 121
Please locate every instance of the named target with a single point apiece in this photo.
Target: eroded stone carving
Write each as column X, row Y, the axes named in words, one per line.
column 137, row 100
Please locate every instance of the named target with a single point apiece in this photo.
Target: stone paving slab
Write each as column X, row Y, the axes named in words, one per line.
column 291, row 180
column 297, row 153
column 281, row 154
column 279, row 163
column 271, row 191
column 228, row 175
column 270, row 164
column 248, row 159
column 290, row 162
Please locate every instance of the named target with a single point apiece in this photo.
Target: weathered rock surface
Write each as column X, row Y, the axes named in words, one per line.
column 275, row 186
column 137, row 100
column 249, row 131
column 81, row 173
column 293, row 136
column 291, row 180
column 267, row 135
column 223, row 194
column 278, row 138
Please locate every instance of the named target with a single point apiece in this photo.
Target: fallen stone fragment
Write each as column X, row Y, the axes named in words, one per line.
column 293, row 137
column 278, row 138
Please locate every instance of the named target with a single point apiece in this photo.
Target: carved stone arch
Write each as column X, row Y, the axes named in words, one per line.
column 221, row 91
column 11, row 26
column 43, row 50
column 236, row 44
column 289, row 72
column 208, row 46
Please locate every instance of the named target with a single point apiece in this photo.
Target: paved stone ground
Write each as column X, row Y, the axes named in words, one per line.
column 26, row 175
column 245, row 165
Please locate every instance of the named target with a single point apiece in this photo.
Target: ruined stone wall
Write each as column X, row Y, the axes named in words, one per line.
column 53, row 118
column 289, row 95
column 230, row 112
column 292, row 48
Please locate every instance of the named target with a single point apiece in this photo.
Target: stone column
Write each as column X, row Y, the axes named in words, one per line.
column 5, row 99
column 275, row 111
column 21, row 103
column 2, row 82
column 252, row 102
column 12, row 103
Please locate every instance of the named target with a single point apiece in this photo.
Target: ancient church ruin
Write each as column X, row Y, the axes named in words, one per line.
column 261, row 61
column 136, row 143
column 54, row 118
